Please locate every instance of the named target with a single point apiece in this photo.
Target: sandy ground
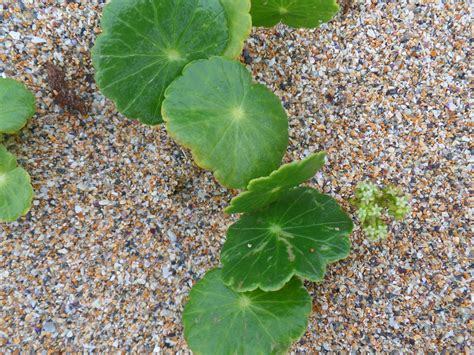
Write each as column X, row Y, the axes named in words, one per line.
column 123, row 224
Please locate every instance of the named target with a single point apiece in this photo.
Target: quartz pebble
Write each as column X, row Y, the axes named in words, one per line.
column 49, row 327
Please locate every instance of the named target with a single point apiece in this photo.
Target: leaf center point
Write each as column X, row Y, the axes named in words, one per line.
column 244, row 301
column 282, row 10
column 237, row 113
column 173, row 55
column 276, row 229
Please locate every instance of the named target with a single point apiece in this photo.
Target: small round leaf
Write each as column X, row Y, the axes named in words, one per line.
column 16, row 192
column 263, row 191
column 240, row 25
column 299, row 234
column 218, row 320
column 17, row 105
column 147, row 43
column 294, row 13
column 235, row 128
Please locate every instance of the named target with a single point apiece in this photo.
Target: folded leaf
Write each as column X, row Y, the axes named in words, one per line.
column 263, row 191
column 17, row 105
column 234, row 127
column 16, row 192
column 299, row 235
column 147, row 43
column 218, row 320
column 294, row 13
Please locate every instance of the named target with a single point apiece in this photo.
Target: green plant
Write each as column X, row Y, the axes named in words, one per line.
column 294, row 13
column 240, row 25
column 293, row 235
column 216, row 110
column 146, row 45
column 298, row 234
column 17, row 105
column 171, row 61
column 372, row 201
column 262, row 191
column 16, row 192
column 219, row 320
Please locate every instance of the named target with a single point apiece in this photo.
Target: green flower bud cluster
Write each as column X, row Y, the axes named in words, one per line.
column 372, row 201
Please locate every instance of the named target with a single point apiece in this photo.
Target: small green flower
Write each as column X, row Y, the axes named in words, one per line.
column 374, row 211
column 376, row 232
column 362, row 212
column 372, row 201
column 367, row 192
column 400, row 208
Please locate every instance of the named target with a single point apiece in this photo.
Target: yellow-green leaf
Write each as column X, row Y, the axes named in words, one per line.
column 240, row 25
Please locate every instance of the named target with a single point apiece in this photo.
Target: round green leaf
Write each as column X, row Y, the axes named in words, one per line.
column 17, row 105
column 218, row 320
column 299, row 234
column 294, row 13
column 240, row 25
column 263, row 191
column 16, row 192
column 233, row 127
column 147, row 43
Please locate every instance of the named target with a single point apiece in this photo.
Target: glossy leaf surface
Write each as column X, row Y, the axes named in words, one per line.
column 299, row 234
column 263, row 191
column 240, row 25
column 16, row 192
column 218, row 320
column 234, row 127
column 294, row 13
column 17, row 105
column 145, row 45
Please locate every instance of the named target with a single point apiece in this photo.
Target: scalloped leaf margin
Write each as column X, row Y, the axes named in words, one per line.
column 16, row 192
column 234, row 127
column 240, row 25
column 217, row 320
column 294, row 13
column 263, row 191
column 299, row 234
column 17, row 106
column 146, row 44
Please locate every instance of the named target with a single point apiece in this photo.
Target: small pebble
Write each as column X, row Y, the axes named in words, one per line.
column 49, row 327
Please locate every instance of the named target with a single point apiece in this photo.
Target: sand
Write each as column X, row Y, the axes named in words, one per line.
column 123, row 223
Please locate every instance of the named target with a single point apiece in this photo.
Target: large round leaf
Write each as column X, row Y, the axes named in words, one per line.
column 16, row 192
column 218, row 320
column 240, row 25
column 233, row 127
column 299, row 234
column 294, row 13
column 17, row 105
column 147, row 43
column 263, row 191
